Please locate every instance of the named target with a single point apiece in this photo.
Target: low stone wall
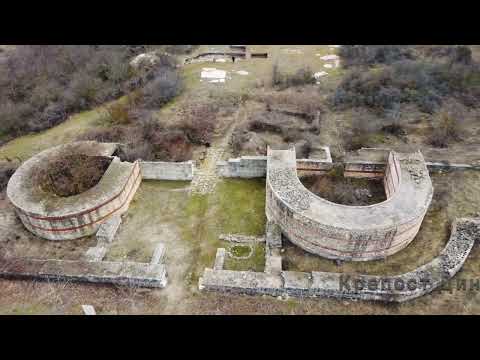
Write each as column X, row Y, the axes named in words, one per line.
column 117, row 273
column 256, row 166
column 313, row 167
column 243, row 167
column 371, row 163
column 398, row 288
column 159, row 170
column 107, row 231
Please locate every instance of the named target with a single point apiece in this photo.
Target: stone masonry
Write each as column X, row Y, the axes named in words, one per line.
column 398, row 288
column 159, row 170
column 106, row 232
column 355, row 233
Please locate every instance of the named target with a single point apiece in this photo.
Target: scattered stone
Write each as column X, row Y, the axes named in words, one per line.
column 329, row 57
column 88, row 310
column 213, row 74
column 319, row 74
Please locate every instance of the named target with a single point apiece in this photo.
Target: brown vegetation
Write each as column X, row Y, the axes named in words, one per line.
column 72, row 174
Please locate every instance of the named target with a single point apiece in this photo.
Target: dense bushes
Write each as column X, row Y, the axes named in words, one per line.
column 425, row 84
column 146, row 139
column 165, row 85
column 41, row 84
column 446, row 124
column 373, row 54
column 303, row 76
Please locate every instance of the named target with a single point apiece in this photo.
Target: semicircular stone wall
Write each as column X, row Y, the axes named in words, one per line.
column 356, row 233
column 63, row 218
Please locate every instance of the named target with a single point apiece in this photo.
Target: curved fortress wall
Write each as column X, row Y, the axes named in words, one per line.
column 357, row 233
column 55, row 218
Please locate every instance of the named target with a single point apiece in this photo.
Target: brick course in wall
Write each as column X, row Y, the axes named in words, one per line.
column 56, row 218
column 342, row 232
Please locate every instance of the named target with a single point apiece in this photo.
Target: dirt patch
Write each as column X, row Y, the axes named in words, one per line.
column 72, row 174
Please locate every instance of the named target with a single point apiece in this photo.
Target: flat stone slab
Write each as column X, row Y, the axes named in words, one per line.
column 88, row 310
column 96, row 253
column 102, row 272
column 106, row 232
column 159, row 254
column 219, row 259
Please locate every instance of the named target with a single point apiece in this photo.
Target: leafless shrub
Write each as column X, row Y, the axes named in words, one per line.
column 363, row 125
column 7, row 168
column 373, row 54
column 165, row 85
column 72, row 174
column 303, row 76
column 40, row 85
column 447, row 124
column 198, row 123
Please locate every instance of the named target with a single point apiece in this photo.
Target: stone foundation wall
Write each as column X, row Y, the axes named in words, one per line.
column 159, row 170
column 243, row 167
column 256, row 166
column 104, row 272
column 397, row 288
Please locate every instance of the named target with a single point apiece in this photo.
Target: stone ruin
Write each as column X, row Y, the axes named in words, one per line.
column 234, row 53
column 340, row 232
column 97, row 210
column 345, row 233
